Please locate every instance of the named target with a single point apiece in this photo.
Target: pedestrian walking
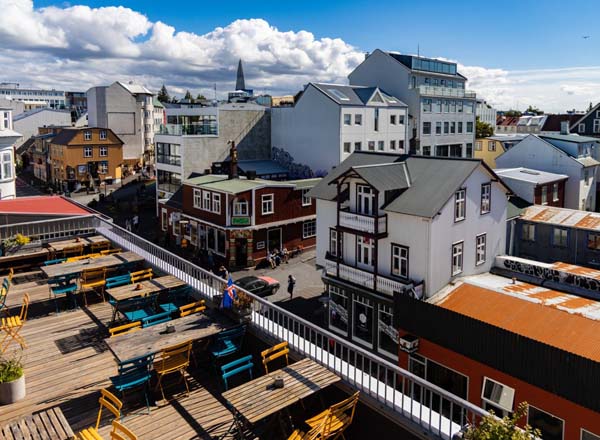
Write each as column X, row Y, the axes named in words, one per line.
column 128, row 224
column 135, row 222
column 291, row 284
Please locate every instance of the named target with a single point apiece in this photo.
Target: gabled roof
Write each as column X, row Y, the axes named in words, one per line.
column 425, row 183
column 355, row 95
column 39, row 110
column 553, row 122
column 66, row 135
column 135, row 89
column 584, row 117
column 575, row 138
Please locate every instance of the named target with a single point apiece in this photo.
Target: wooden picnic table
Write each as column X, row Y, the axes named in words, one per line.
column 59, row 246
column 49, row 424
column 147, row 287
column 151, row 340
column 90, row 263
column 257, row 399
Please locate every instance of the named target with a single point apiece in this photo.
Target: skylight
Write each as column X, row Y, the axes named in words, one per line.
column 339, row 95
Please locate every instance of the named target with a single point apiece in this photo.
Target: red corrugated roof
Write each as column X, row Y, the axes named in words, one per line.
column 48, row 205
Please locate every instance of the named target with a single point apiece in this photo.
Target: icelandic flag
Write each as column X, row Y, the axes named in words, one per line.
column 229, row 294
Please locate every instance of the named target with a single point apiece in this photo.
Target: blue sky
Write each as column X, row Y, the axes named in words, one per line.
column 514, row 53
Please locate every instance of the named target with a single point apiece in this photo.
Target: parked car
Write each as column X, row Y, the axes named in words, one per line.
column 261, row 285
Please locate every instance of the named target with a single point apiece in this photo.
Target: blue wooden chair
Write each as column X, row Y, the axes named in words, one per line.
column 236, row 367
column 176, row 298
column 63, row 286
column 56, row 261
column 155, row 319
column 138, row 308
column 134, row 373
column 117, row 281
column 226, row 343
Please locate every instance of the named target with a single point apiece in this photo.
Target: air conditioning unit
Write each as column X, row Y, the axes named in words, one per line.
column 409, row 343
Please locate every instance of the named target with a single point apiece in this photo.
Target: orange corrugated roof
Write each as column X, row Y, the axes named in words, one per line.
column 567, row 331
column 50, row 205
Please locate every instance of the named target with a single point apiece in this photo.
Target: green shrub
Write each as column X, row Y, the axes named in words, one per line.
column 493, row 428
column 11, row 368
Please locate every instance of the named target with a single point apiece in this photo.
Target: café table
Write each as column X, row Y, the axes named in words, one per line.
column 49, row 424
column 79, row 266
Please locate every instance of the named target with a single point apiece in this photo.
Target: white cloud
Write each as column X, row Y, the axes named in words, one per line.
column 76, row 47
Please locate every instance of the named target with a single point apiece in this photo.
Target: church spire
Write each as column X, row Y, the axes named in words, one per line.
column 240, row 84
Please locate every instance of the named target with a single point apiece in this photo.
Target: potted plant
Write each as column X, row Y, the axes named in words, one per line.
column 13, row 244
column 243, row 306
column 12, row 379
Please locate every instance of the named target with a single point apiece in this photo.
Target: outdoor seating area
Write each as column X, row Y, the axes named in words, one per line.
column 144, row 357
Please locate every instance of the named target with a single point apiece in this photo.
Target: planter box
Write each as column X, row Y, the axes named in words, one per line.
column 11, row 392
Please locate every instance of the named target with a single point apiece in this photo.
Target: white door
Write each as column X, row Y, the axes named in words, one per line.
column 364, row 252
column 364, row 200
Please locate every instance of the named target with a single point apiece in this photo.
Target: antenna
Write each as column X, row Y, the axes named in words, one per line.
column 215, row 91
column 418, row 50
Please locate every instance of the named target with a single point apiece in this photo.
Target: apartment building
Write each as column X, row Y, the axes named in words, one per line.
column 588, row 124
column 441, row 110
column 127, row 110
column 571, row 155
column 535, row 186
column 389, row 225
column 194, row 137
column 330, row 121
column 543, row 350
column 486, row 113
column 33, row 98
column 85, row 156
column 8, row 138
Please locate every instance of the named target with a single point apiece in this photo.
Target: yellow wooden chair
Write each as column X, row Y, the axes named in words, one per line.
column 338, row 418
column 111, row 403
column 173, row 359
column 111, row 251
column 121, row 432
column 11, row 273
column 83, row 257
column 275, row 352
column 12, row 325
column 92, row 279
column 72, row 251
column 125, row 328
column 190, row 309
column 314, row 433
column 102, row 246
column 145, row 274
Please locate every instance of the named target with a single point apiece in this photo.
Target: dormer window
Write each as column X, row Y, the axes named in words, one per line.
column 87, row 135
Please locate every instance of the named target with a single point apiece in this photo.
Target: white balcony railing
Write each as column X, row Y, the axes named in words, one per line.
column 364, row 223
column 445, row 91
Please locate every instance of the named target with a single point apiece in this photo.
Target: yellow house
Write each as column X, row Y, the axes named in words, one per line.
column 489, row 148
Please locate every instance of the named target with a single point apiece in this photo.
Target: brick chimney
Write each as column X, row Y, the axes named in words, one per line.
column 233, row 163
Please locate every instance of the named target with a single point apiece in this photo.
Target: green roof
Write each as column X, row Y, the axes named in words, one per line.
column 220, row 182
column 515, row 207
column 305, row 183
column 570, row 138
column 201, row 180
column 157, row 103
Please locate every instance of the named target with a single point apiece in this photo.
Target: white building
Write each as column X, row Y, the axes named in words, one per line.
column 486, row 113
column 27, row 123
column 33, row 98
column 8, row 137
column 534, row 186
column 441, row 110
column 404, row 225
column 330, row 121
column 126, row 109
column 571, row 155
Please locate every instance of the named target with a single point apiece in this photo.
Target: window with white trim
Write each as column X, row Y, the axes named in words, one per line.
column 400, row 261
column 587, row 435
column 87, row 151
column 240, row 208
column 550, row 426
column 480, row 249
column 102, row 135
column 6, row 168
column 581, row 128
column 334, row 236
column 544, row 195
column 596, row 128
column 206, row 198
column 306, row 201
column 347, row 119
column 216, row 203
column 528, row 232
column 457, row 258
column 164, row 219
column 103, row 167
column 309, row 228
column 87, row 135
column 497, row 397
column 103, row 151
column 486, row 198
column 197, row 199
column 267, row 204
column 555, row 192
column 459, row 204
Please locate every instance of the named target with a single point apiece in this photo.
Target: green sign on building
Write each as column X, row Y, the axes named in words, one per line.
column 240, row 221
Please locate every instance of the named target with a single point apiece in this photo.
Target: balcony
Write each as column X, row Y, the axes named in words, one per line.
column 363, row 222
column 210, row 129
column 445, row 91
column 168, row 160
column 364, row 278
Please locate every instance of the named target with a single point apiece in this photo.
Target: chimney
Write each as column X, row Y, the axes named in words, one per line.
column 564, row 127
column 366, row 55
column 233, row 164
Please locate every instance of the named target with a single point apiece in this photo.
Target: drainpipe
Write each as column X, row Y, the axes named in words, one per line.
column 511, row 238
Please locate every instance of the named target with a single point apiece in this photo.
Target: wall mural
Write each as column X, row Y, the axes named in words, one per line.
column 548, row 274
column 296, row 170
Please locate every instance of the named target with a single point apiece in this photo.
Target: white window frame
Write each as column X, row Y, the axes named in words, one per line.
column 86, row 150
column 596, row 126
column 334, row 235
column 240, row 208
column 164, row 216
column 399, row 257
column 347, row 119
column 544, row 195
column 6, row 160
column 103, row 151
column 206, row 200
column 491, row 402
column 486, row 198
column 197, row 198
column 455, row 247
column 267, row 201
column 311, row 226
column 550, row 414
column 460, row 205
column 555, row 195
column 581, row 128
column 480, row 249
column 87, row 135
column 582, row 430
column 306, row 201
column 102, row 135
column 216, row 203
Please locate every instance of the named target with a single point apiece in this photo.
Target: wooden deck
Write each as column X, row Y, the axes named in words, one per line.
column 67, row 362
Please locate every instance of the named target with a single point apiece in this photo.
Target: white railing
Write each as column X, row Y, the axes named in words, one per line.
column 364, row 223
column 420, row 406
column 445, row 91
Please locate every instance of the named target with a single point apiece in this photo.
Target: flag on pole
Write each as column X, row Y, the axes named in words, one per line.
column 229, row 294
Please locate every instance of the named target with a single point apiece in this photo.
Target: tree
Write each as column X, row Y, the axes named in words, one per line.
column 590, row 107
column 513, row 113
column 200, row 97
column 174, row 100
column 483, row 129
column 492, row 428
column 188, row 96
column 163, row 95
column 534, row 110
